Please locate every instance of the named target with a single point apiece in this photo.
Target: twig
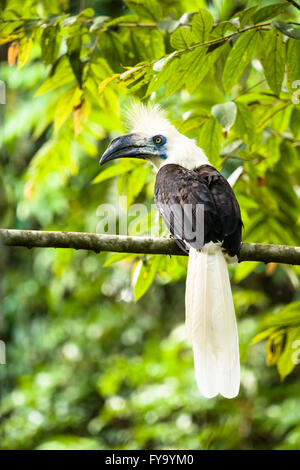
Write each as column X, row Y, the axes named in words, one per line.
column 249, row 88
column 295, row 4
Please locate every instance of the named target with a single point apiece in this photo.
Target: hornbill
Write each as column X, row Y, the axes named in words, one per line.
column 185, row 179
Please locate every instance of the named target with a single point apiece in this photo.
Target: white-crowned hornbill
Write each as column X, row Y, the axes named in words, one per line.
column 185, row 179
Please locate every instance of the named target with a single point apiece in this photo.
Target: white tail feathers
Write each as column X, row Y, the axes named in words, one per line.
column 211, row 323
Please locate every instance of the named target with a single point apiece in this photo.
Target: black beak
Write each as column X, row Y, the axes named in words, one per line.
column 129, row 146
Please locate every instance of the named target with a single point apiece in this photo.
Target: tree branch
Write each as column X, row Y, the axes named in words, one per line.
column 140, row 245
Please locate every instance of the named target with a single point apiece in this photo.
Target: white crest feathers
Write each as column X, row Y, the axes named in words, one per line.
column 148, row 118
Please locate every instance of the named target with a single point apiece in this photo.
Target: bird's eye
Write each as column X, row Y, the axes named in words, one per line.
column 158, row 139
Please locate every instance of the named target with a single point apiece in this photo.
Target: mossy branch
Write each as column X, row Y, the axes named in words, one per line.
column 140, row 245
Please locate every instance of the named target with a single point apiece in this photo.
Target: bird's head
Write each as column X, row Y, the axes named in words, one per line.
column 155, row 139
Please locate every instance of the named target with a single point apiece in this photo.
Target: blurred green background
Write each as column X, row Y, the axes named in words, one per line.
column 88, row 366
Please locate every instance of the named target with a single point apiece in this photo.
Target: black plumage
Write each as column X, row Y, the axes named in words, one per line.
column 176, row 186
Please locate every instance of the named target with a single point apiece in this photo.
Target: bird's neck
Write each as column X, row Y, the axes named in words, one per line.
column 189, row 156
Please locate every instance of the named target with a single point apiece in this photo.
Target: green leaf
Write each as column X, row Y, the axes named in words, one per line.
column 287, row 316
column 288, row 359
column 99, row 23
column 202, row 24
column 144, row 275
column 150, row 9
column 190, row 68
column 280, row 120
column 293, row 63
column 86, row 14
column 74, row 48
column 270, row 11
column 50, row 44
column 136, row 183
column 243, row 270
column 120, row 19
column 165, row 67
column 270, row 150
column 77, row 66
column 244, row 125
column 25, row 48
column 295, row 122
column 262, row 335
column 287, row 29
column 289, row 156
column 112, row 49
column 60, row 74
column 210, row 140
column 114, row 170
column 116, row 257
column 182, row 38
column 194, row 121
column 167, row 25
column 245, row 15
column 180, row 67
column 274, row 61
column 202, row 62
column 238, row 58
column 221, row 28
column 225, row 114
column 74, row 43
column 68, row 100
column 147, row 45
column 275, row 345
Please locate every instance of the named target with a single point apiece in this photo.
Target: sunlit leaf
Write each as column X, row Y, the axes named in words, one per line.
column 295, row 122
column 287, row 29
column 60, row 74
column 275, row 345
column 225, row 114
column 24, row 52
column 67, row 102
column 244, row 124
column 144, row 275
column 202, row 62
column 238, row 58
column 107, row 81
column 293, row 64
column 150, row 9
column 12, row 53
column 287, row 316
column 182, row 38
column 288, row 359
column 202, row 24
column 50, row 44
column 269, row 11
column 210, row 140
column 168, row 25
column 117, row 257
column 246, row 14
column 114, row 170
column 274, row 61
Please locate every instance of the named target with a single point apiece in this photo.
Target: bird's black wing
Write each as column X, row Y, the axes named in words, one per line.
column 178, row 191
column 227, row 205
column 177, row 188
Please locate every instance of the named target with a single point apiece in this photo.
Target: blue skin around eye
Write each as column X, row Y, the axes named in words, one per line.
column 161, row 147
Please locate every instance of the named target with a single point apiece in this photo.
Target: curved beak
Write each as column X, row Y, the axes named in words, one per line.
column 129, row 146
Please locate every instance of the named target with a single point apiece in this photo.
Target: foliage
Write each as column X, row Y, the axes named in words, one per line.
column 87, row 366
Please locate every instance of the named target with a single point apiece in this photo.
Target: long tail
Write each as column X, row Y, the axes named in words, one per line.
column 211, row 323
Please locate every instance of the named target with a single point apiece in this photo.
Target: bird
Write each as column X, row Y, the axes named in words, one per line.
column 185, row 182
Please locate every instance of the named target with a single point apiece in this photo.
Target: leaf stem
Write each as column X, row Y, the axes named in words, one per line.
column 295, row 4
